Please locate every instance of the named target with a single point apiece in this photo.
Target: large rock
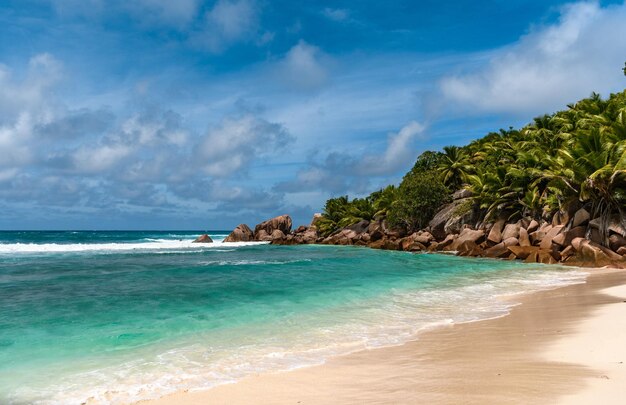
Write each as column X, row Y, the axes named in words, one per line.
column 461, row 194
column 445, row 244
column 501, row 249
column 423, row 237
column 536, row 237
column 203, row 239
column 277, row 235
column 282, row 223
column 468, row 235
column 581, row 217
column 360, row 226
column 262, row 236
column 451, row 218
column 591, row 254
column 342, row 237
column 567, row 252
column 565, row 238
column 511, row 231
column 375, row 230
column 385, row 243
column 522, row 252
column 546, row 242
column 495, row 234
column 390, row 231
column 532, row 226
column 408, row 244
column 242, row 233
column 308, row 237
column 524, row 240
column 616, row 241
column 469, row 248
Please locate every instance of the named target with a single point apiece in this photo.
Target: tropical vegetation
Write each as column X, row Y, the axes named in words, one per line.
column 559, row 162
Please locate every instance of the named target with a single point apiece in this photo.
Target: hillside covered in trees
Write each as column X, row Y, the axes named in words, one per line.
column 575, row 158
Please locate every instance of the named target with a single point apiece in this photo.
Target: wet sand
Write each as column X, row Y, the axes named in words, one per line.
column 561, row 346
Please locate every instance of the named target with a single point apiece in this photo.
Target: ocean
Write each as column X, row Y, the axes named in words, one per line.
column 115, row 317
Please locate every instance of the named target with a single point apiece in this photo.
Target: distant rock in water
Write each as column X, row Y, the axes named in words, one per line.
column 242, row 233
column 203, row 239
column 265, row 230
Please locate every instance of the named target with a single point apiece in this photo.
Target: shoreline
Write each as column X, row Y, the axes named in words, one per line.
column 516, row 358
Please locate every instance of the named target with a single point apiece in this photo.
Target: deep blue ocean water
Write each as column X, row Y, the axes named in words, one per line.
column 121, row 316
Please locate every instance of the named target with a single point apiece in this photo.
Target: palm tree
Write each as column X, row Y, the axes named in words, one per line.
column 454, row 166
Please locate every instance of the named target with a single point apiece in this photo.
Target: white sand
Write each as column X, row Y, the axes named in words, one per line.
column 598, row 342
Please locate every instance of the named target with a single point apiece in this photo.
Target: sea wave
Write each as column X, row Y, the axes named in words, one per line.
column 251, row 262
column 155, row 244
column 305, row 340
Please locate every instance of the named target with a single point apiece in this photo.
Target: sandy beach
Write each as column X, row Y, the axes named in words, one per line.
column 560, row 346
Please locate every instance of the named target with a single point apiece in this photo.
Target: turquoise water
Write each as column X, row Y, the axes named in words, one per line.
column 120, row 316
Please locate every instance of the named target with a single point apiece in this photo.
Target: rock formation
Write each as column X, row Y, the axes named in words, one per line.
column 242, row 233
column 265, row 229
column 203, row 239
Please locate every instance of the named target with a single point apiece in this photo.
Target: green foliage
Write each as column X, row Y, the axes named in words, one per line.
column 573, row 157
column 454, row 166
column 464, row 208
column 428, row 160
column 419, row 196
column 340, row 212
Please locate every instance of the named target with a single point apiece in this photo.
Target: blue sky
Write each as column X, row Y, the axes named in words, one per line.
column 191, row 114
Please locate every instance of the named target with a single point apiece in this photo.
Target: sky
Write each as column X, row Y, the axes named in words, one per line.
column 192, row 114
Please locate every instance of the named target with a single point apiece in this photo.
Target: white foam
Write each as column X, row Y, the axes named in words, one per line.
column 156, row 244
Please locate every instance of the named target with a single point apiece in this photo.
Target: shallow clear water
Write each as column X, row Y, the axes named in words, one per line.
column 121, row 316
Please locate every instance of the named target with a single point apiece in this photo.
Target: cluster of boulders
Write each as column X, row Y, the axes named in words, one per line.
column 267, row 231
column 574, row 239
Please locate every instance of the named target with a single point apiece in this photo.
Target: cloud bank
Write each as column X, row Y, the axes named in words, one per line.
column 549, row 67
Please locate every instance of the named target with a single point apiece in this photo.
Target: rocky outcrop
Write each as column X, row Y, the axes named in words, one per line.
column 572, row 238
column 203, row 239
column 451, row 218
column 302, row 235
column 242, row 233
column 264, row 230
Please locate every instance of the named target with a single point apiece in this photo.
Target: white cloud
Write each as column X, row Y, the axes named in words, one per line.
column 153, row 130
column 551, row 66
column 98, row 159
column 24, row 105
column 229, row 21
column 336, row 14
column 304, row 67
column 353, row 172
column 237, row 142
column 399, row 153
